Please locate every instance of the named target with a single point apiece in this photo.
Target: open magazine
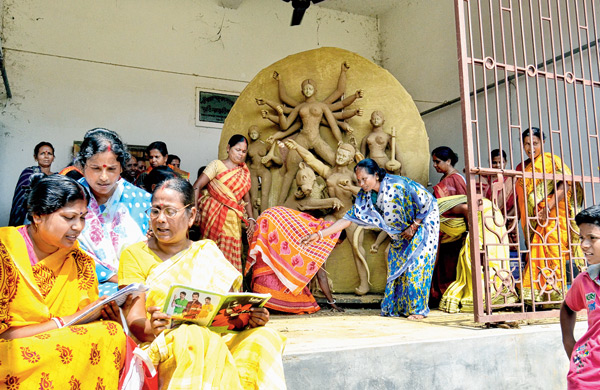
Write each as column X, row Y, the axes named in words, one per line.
column 222, row 313
column 94, row 312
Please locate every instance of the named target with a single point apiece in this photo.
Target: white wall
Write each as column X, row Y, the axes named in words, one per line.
column 419, row 48
column 133, row 66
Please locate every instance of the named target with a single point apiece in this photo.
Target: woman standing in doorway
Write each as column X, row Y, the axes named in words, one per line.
column 452, row 182
column 43, row 153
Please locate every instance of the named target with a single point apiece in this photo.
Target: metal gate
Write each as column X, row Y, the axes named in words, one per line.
column 525, row 64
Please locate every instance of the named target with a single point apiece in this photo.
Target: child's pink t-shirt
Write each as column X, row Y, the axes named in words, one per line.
column 584, row 370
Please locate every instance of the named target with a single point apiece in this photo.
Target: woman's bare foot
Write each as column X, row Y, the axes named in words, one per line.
column 416, row 317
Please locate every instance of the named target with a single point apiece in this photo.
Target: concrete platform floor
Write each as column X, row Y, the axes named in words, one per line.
column 359, row 349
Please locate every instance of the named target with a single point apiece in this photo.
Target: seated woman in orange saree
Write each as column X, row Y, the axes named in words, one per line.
column 547, row 208
column 225, row 197
column 282, row 267
column 46, row 280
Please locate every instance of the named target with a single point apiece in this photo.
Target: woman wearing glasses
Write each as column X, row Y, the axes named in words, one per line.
column 116, row 217
column 191, row 354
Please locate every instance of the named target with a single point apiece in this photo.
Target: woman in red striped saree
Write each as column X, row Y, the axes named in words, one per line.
column 225, row 186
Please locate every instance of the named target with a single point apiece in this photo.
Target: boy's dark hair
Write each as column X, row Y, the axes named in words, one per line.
column 590, row 215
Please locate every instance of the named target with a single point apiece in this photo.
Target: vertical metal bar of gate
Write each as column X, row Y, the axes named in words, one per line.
column 525, row 64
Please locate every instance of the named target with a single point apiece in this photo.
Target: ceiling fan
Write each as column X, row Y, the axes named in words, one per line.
column 300, row 7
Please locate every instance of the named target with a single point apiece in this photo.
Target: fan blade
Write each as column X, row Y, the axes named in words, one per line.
column 297, row 16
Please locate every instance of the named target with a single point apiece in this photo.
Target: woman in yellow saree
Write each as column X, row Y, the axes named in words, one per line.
column 46, row 280
column 225, row 201
column 547, row 209
column 191, row 356
column 492, row 232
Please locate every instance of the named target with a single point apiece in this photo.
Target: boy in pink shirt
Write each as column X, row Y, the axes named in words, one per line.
column 584, row 354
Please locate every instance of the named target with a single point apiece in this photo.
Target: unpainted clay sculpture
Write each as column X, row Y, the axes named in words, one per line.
column 259, row 168
column 341, row 184
column 311, row 112
column 310, row 194
column 375, row 144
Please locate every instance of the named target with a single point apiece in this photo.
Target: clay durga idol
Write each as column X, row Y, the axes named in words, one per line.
column 318, row 120
column 310, row 113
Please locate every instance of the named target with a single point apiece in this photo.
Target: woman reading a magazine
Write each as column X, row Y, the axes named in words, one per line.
column 46, row 281
column 249, row 359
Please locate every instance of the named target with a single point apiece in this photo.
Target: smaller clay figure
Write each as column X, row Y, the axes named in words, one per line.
column 259, row 168
column 375, row 144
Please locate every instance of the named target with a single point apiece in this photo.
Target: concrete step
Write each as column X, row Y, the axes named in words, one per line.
column 359, row 349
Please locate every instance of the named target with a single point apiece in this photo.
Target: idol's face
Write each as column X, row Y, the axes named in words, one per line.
column 343, row 157
column 253, row 133
column 308, row 90
column 376, row 119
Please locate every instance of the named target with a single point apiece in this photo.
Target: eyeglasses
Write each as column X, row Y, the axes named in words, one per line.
column 170, row 212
